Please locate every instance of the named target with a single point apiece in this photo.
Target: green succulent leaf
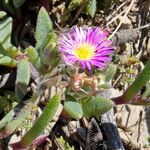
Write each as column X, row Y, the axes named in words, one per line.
column 110, row 72
column 135, row 87
column 18, row 3
column 5, row 30
column 74, row 109
column 64, row 143
column 13, row 119
column 7, row 61
column 34, row 57
column 91, row 8
column 42, row 121
column 6, row 119
column 11, row 51
column 96, row 106
column 2, row 14
column 43, row 28
column 22, row 79
column 49, row 54
column 74, row 3
column 6, row 48
column 146, row 93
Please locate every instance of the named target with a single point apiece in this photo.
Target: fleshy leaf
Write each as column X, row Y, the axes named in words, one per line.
column 34, row 57
column 91, row 8
column 22, row 79
column 13, row 119
column 140, row 81
column 6, row 48
column 135, row 87
column 64, row 143
column 6, row 119
column 74, row 3
column 74, row 109
column 41, row 123
column 43, row 28
column 2, row 14
column 110, row 72
column 5, row 30
column 96, row 106
column 7, row 61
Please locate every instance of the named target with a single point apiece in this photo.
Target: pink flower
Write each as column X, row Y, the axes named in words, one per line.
column 87, row 47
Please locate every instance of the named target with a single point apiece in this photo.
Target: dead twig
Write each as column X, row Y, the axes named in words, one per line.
column 129, row 8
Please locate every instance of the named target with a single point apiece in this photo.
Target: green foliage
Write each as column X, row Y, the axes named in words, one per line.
column 12, row 120
column 74, row 109
column 110, row 72
column 74, row 3
column 6, row 119
column 43, row 28
column 22, row 79
column 6, row 101
column 7, row 61
column 8, row 52
column 11, row 51
column 34, row 57
column 64, row 144
column 44, row 57
column 139, row 82
column 49, row 55
column 23, row 72
column 42, row 121
column 15, row 118
column 91, row 7
column 146, row 93
column 5, row 30
column 96, row 106
column 2, row 14
column 18, row 3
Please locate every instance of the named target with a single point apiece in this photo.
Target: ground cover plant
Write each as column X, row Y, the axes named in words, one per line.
column 74, row 74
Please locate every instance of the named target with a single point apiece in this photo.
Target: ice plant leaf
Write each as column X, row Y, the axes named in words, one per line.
column 18, row 3
column 64, row 143
column 96, row 106
column 91, row 8
column 86, row 47
column 34, row 57
column 7, row 61
column 74, row 3
column 11, row 51
column 110, row 72
column 6, row 119
column 2, row 14
column 146, row 93
column 138, row 84
column 17, row 118
column 42, row 122
column 5, row 30
column 22, row 79
column 43, row 28
column 49, row 49
column 74, row 109
column 6, row 48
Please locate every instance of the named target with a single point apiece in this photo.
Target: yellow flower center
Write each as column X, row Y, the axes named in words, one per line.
column 85, row 51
